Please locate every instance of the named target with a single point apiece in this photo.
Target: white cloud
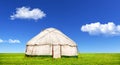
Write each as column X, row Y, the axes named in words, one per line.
column 28, row 13
column 10, row 41
column 1, row 41
column 13, row 41
column 105, row 29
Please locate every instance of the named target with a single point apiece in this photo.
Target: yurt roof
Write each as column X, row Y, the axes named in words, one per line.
column 51, row 36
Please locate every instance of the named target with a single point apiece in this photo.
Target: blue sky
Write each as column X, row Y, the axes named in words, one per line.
column 93, row 24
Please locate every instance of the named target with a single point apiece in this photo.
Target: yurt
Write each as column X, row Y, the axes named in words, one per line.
column 51, row 42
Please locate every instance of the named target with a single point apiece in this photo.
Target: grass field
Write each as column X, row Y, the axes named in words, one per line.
column 83, row 59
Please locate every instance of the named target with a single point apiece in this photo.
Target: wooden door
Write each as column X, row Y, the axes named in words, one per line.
column 56, row 51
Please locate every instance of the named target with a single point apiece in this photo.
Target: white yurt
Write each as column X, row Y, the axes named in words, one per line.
column 51, row 42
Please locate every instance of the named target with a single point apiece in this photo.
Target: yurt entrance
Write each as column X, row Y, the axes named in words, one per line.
column 56, row 51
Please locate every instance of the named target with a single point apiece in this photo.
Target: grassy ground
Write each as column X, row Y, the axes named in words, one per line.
column 83, row 59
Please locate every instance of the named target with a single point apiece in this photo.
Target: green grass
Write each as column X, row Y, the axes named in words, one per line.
column 83, row 59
